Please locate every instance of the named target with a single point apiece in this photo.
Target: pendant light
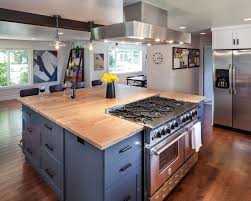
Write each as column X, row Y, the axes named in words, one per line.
column 90, row 44
column 57, row 43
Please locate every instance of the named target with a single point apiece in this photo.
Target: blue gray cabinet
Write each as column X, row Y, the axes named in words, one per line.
column 78, row 171
column 31, row 137
column 114, row 174
column 43, row 147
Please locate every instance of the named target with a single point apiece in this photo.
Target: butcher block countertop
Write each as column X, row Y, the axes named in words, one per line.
column 85, row 116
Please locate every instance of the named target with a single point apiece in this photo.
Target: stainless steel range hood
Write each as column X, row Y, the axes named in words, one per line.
column 143, row 23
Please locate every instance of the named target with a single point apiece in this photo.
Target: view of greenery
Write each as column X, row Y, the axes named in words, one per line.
column 14, row 67
column 3, row 74
column 125, row 60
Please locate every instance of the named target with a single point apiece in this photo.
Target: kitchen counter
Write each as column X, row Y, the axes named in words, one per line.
column 85, row 116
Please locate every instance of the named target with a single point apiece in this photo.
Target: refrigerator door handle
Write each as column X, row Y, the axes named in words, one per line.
column 230, row 79
column 234, row 79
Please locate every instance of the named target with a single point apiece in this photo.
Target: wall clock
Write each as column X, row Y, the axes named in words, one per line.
column 157, row 58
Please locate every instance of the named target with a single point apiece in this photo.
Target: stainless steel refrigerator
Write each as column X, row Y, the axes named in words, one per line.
column 232, row 88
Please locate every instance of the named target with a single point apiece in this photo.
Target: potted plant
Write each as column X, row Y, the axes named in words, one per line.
column 110, row 78
column 77, row 51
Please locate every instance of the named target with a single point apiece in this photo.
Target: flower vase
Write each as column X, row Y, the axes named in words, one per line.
column 110, row 90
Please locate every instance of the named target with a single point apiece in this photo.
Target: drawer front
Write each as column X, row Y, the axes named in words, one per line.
column 31, row 147
column 28, row 117
column 52, row 170
column 124, row 149
column 52, row 139
column 127, row 189
column 116, row 171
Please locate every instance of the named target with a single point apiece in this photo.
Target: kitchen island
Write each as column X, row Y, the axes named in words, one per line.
column 82, row 152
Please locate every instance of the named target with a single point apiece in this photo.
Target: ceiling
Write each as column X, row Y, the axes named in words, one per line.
column 203, row 14
column 196, row 15
column 99, row 11
column 8, row 30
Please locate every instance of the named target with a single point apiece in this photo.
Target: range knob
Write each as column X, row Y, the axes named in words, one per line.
column 167, row 130
column 176, row 124
column 158, row 134
column 190, row 116
column 183, row 119
column 172, row 126
column 163, row 132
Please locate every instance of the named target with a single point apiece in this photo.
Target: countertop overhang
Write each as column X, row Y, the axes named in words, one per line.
column 85, row 116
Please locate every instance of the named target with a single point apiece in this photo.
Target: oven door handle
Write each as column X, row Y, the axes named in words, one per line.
column 157, row 153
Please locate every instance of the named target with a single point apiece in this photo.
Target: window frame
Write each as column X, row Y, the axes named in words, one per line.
column 30, row 69
column 127, row 48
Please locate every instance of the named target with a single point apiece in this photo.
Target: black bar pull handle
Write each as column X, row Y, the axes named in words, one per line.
column 128, row 198
column 49, row 147
column 125, row 167
column 49, row 173
column 234, row 41
column 29, row 151
column 80, row 140
column 47, row 126
column 30, row 130
column 125, row 149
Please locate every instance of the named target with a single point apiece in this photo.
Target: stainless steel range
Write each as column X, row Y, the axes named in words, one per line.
column 169, row 140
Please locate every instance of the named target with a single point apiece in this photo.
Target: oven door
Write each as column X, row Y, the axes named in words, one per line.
column 166, row 158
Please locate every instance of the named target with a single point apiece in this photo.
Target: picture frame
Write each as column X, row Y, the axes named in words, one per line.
column 99, row 61
column 45, row 66
column 180, row 58
column 194, row 58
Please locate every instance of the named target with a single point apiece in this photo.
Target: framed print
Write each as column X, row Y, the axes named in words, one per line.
column 180, row 58
column 99, row 63
column 45, row 66
column 194, row 58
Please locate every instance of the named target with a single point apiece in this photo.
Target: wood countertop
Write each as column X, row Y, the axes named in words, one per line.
column 85, row 116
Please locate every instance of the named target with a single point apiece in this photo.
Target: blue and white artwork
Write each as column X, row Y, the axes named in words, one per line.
column 45, row 66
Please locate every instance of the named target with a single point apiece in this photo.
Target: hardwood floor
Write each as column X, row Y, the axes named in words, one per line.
column 222, row 173
column 18, row 180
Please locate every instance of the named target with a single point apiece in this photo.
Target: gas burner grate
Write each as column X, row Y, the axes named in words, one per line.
column 147, row 110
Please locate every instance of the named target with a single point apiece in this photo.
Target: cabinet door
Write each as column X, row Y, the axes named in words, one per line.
column 243, row 38
column 224, row 39
column 127, row 188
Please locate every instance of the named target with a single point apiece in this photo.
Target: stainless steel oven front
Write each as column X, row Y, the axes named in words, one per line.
column 165, row 158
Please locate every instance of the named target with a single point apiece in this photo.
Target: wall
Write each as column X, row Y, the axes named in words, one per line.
column 101, row 47
column 163, row 77
column 63, row 54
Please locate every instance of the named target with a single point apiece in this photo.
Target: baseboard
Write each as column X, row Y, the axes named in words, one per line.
column 11, row 97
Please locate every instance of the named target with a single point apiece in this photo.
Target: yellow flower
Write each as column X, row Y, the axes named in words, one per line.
column 109, row 77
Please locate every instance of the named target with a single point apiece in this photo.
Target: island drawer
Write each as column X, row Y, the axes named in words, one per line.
column 124, row 150
column 30, row 144
column 28, row 117
column 52, row 172
column 128, row 189
column 116, row 171
column 52, row 139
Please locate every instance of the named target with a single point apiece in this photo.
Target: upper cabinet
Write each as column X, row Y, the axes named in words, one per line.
column 231, row 37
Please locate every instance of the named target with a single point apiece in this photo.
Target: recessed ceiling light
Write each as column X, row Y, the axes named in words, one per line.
column 170, row 41
column 183, row 27
column 60, row 33
column 181, row 43
column 202, row 33
column 157, row 40
column 149, row 44
column 247, row 19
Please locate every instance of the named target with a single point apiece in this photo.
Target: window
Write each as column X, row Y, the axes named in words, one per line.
column 14, row 67
column 125, row 60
